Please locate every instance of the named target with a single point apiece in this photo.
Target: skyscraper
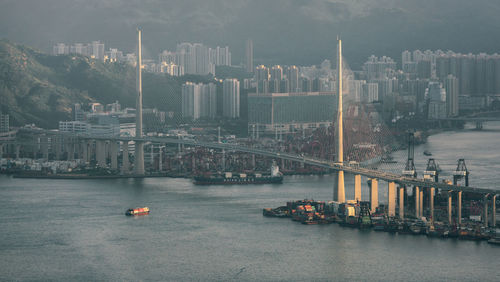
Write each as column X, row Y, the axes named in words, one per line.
column 231, row 98
column 451, row 87
column 249, row 55
column 199, row 100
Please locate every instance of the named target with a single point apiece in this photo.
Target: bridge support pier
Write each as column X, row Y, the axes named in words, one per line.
column 479, row 125
column 485, row 211
column 253, row 162
column 1, row 151
column 160, row 158
column 431, row 202
column 85, row 151
column 339, row 189
column 493, row 211
column 45, row 148
column 459, row 207
column 125, row 161
column 391, row 199
column 357, row 187
column 373, row 195
column 421, row 202
column 18, row 149
column 57, row 143
column 401, row 202
column 113, row 149
column 450, row 221
column 100, row 154
column 71, row 149
column 416, row 192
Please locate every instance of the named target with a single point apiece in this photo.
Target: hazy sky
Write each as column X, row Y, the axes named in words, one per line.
column 284, row 31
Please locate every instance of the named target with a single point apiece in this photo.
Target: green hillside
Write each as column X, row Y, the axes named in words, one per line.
column 39, row 88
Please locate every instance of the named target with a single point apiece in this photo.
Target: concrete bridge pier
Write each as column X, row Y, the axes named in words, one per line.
column 100, row 153
column 391, row 199
column 450, row 221
column 35, row 149
column 402, row 202
column 18, row 150
column 253, row 161
column 85, row 151
column 373, row 194
column 485, row 210
column 1, row 151
column 45, row 148
column 71, row 149
column 421, row 203
column 125, row 161
column 113, row 150
column 416, row 194
column 432, row 191
column 357, row 187
column 493, row 211
column 57, row 147
column 459, row 208
column 479, row 125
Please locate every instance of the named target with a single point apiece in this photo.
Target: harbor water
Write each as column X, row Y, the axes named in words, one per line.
column 77, row 229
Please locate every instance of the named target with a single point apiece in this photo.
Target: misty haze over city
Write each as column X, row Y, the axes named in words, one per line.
column 284, row 32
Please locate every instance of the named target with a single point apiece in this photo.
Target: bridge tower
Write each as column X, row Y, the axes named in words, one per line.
column 139, row 146
column 339, row 189
column 432, row 170
column 410, row 165
column 461, row 172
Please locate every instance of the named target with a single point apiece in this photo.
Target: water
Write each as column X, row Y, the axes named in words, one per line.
column 76, row 230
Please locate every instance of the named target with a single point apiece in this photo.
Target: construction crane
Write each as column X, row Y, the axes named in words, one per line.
column 461, row 172
column 432, row 171
column 410, row 165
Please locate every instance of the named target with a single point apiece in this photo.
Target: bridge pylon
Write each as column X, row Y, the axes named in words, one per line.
column 339, row 188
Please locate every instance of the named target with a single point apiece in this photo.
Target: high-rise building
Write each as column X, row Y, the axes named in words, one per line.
column 249, row 55
column 436, row 97
column 199, row 100
column 288, row 112
column 231, row 98
column 78, row 113
column 293, row 79
column 451, row 87
column 370, row 93
column 4, row 123
column 60, row 49
column 97, row 50
column 379, row 68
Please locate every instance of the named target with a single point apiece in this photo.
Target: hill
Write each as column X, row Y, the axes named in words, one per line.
column 41, row 89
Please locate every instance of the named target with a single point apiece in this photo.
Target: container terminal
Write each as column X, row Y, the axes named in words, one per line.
column 357, row 214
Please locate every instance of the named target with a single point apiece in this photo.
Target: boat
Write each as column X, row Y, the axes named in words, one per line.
column 277, row 212
column 427, row 153
column 495, row 240
column 137, row 211
column 228, row 178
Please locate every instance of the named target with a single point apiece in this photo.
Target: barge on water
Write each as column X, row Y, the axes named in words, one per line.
column 137, row 211
column 228, row 178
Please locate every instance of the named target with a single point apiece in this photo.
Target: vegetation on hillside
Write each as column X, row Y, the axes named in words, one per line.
column 41, row 89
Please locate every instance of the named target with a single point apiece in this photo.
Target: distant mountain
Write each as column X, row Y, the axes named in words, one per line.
column 283, row 31
column 41, row 89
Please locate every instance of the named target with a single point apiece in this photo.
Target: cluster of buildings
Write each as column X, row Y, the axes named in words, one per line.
column 94, row 50
column 201, row 100
column 110, row 120
column 192, row 58
column 477, row 75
